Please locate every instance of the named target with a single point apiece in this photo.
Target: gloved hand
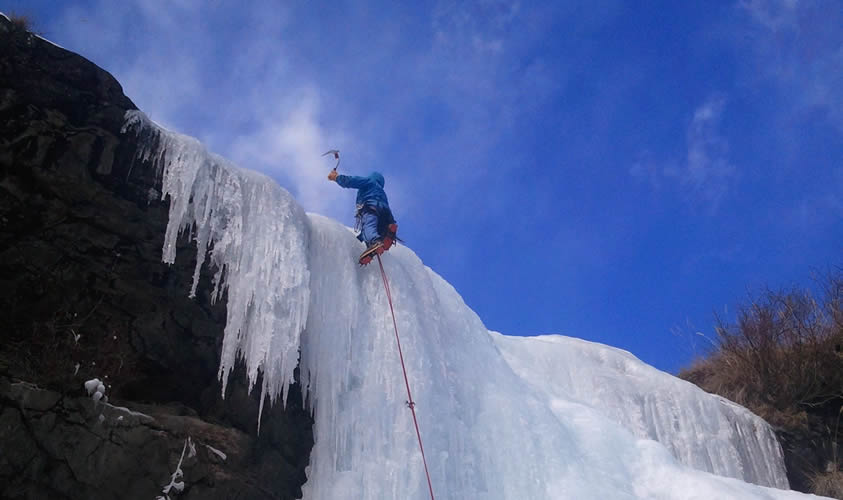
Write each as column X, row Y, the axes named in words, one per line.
column 333, row 175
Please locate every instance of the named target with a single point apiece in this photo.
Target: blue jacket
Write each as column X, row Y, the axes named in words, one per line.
column 369, row 189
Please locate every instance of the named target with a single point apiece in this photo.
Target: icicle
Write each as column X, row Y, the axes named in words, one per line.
column 255, row 236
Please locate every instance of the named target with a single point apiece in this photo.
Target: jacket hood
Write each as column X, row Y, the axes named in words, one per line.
column 377, row 177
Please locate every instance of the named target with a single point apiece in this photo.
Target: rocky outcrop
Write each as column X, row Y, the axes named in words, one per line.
column 73, row 447
column 811, row 452
column 84, row 294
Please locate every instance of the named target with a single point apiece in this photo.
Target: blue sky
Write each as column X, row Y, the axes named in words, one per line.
column 616, row 171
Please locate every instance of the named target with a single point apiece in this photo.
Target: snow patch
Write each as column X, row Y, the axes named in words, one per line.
column 176, row 485
column 130, row 413
column 217, row 452
column 96, row 389
column 49, row 41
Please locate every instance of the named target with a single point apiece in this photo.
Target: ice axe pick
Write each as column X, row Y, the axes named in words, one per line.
column 336, row 153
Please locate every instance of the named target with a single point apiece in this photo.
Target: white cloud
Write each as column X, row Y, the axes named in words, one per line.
column 799, row 47
column 238, row 94
column 773, row 14
column 792, row 54
column 272, row 87
column 287, row 143
column 163, row 75
column 705, row 175
column 476, row 26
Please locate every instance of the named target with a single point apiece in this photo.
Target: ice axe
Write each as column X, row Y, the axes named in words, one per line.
column 336, row 153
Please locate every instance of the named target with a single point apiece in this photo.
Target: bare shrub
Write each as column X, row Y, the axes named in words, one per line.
column 21, row 22
column 781, row 357
column 828, row 484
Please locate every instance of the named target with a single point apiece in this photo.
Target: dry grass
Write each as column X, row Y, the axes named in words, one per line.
column 783, row 359
column 828, row 484
column 21, row 23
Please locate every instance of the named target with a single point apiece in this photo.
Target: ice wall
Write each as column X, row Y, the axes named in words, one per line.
column 491, row 431
column 704, row 431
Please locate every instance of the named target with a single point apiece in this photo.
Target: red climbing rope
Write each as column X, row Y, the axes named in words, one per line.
column 410, row 403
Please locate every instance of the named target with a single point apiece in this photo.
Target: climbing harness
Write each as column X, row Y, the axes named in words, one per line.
column 410, row 403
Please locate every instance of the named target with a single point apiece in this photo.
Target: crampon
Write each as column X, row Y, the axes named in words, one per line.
column 385, row 244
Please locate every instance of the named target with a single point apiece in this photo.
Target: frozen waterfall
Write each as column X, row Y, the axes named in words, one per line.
column 501, row 417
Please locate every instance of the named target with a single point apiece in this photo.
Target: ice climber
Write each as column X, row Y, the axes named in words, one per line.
column 374, row 218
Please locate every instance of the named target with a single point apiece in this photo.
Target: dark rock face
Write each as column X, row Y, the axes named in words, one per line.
column 84, row 294
column 809, row 449
column 62, row 447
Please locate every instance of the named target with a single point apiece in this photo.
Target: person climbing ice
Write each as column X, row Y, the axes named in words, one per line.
column 375, row 223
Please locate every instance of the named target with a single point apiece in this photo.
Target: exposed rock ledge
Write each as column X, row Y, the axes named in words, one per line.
column 73, row 447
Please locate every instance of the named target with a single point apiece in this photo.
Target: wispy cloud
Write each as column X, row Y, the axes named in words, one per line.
column 705, row 175
column 773, row 14
column 429, row 96
column 481, row 27
column 193, row 74
column 284, row 144
column 799, row 47
column 161, row 74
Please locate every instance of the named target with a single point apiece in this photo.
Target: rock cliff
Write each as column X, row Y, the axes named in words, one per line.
column 84, row 294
